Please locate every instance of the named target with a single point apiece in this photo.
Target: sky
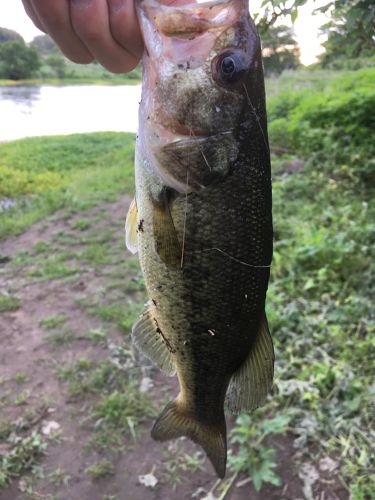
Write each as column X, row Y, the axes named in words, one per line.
column 306, row 27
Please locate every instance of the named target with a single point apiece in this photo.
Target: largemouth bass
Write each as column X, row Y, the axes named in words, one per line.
column 201, row 220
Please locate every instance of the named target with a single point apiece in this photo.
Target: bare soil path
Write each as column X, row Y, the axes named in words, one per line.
column 69, row 378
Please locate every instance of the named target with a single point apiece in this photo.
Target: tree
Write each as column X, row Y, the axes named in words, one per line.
column 280, row 49
column 17, row 60
column 44, row 45
column 9, row 35
column 58, row 64
column 351, row 31
column 272, row 10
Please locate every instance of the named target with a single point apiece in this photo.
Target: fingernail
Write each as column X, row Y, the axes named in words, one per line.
column 81, row 4
column 115, row 5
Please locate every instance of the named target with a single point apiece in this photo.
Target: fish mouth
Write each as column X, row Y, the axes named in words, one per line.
column 185, row 19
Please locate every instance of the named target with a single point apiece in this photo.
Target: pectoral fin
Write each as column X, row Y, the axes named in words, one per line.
column 148, row 338
column 165, row 237
column 251, row 383
column 131, row 237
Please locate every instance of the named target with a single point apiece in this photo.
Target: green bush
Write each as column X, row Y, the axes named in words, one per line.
column 15, row 182
column 17, row 60
column 333, row 126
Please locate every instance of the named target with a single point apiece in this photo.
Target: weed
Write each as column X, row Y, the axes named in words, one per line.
column 81, row 224
column 21, row 456
column 41, row 247
column 21, row 398
column 59, row 477
column 9, row 303
column 20, row 377
column 105, row 439
column 54, row 267
column 96, row 335
column 101, row 469
column 252, row 456
column 176, row 463
column 62, row 338
column 122, row 411
column 6, row 427
column 53, row 321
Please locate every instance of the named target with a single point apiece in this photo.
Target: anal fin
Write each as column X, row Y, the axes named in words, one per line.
column 149, row 339
column 251, row 383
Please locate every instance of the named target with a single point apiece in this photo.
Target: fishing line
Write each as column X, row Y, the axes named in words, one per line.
column 185, row 217
column 235, row 259
column 256, row 117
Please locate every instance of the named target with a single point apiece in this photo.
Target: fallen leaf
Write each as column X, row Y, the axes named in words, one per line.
column 328, row 464
column 50, row 427
column 148, row 480
column 146, row 384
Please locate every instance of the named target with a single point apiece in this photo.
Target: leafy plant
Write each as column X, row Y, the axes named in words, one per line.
column 22, row 455
column 252, row 456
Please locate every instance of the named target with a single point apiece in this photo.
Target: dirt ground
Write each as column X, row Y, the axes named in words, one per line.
column 63, row 272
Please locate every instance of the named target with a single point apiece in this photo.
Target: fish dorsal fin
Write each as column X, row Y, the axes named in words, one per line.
column 131, row 237
column 148, row 338
column 251, row 383
column 166, row 242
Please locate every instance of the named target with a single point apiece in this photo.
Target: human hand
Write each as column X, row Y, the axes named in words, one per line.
column 105, row 30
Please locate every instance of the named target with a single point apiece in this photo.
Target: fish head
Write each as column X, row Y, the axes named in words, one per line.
column 202, row 63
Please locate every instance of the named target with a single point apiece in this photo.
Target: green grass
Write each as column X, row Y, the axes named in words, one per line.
column 9, row 303
column 104, row 468
column 53, row 322
column 119, row 409
column 320, row 299
column 62, row 338
column 78, row 172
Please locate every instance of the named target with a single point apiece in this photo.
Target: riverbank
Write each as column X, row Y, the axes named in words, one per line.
column 38, row 82
column 45, row 174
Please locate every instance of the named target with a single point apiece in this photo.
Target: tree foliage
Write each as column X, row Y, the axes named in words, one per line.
column 7, row 35
column 280, row 49
column 351, row 31
column 44, row 45
column 18, row 61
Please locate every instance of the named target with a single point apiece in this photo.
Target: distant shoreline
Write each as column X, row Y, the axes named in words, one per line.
column 37, row 82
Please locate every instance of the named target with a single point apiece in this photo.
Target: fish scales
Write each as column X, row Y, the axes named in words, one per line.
column 201, row 221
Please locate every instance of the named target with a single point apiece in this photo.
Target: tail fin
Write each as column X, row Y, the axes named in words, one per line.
column 174, row 422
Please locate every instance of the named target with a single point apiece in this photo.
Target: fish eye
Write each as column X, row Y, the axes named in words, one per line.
column 228, row 68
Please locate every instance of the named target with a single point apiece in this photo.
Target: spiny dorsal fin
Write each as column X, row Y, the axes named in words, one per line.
column 165, row 237
column 149, row 339
column 131, row 237
column 174, row 422
column 251, row 383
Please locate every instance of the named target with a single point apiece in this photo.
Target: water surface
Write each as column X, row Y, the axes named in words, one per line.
column 47, row 110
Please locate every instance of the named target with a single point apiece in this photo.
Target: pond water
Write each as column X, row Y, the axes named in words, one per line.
column 47, row 110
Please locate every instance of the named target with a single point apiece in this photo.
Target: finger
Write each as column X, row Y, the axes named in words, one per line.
column 33, row 15
column 57, row 23
column 124, row 26
column 90, row 19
